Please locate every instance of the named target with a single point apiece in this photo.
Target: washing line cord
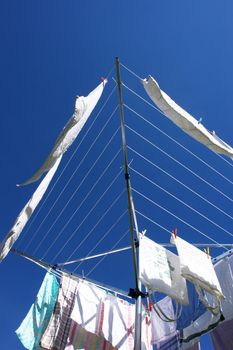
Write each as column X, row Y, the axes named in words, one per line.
column 68, row 162
column 67, row 183
column 178, row 181
column 181, row 201
column 178, row 218
column 178, row 162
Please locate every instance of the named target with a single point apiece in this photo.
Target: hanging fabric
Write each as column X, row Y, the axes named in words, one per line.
column 204, row 324
column 160, row 270
column 56, row 334
column 161, row 330
column 192, row 311
column 224, row 272
column 89, row 307
column 33, row 326
column 83, row 108
column 108, row 316
column 197, row 267
column 79, row 338
column 27, row 211
column 184, row 120
column 222, row 336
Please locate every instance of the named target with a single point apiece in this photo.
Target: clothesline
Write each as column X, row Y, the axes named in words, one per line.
column 58, row 271
column 172, row 139
column 178, row 162
column 179, row 182
column 177, row 217
column 181, row 201
column 68, row 182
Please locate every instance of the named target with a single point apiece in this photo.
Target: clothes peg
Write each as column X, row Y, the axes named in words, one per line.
column 174, row 232
column 207, row 251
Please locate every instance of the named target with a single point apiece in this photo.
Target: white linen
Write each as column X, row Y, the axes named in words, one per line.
column 160, row 270
column 197, row 267
column 27, row 211
column 184, row 120
column 83, row 108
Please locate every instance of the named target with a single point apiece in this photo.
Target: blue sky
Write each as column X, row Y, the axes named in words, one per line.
column 53, row 51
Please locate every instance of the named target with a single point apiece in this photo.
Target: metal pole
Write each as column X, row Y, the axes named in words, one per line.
column 132, row 216
column 59, row 271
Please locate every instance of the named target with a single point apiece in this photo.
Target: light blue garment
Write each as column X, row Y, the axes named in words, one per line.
column 192, row 311
column 33, row 326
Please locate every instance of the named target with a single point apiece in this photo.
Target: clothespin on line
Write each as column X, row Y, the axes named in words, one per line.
column 174, row 233
column 207, row 251
column 104, row 80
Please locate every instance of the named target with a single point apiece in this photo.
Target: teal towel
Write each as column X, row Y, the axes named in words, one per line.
column 35, row 323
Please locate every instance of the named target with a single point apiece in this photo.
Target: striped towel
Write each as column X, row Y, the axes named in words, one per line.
column 56, row 334
column 79, row 338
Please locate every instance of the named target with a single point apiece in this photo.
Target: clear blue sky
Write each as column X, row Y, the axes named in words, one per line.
column 52, row 51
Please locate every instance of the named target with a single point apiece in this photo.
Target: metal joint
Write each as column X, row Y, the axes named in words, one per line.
column 135, row 293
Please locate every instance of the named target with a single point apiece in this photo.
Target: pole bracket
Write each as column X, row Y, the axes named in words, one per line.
column 135, row 293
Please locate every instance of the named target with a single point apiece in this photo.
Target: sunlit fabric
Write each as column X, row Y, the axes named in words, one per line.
column 160, row 270
column 184, row 120
column 27, row 211
column 202, row 325
column 108, row 316
column 192, row 311
column 83, row 108
column 224, row 272
column 197, row 267
column 37, row 319
column 79, row 338
column 162, row 330
column 56, row 334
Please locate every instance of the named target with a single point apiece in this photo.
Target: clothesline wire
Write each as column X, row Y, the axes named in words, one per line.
column 64, row 169
column 178, row 162
column 76, row 190
column 104, row 257
column 129, row 70
column 225, row 160
column 94, row 227
column 153, row 221
column 104, row 236
column 69, row 180
column 175, row 141
column 178, row 181
column 181, row 201
column 154, row 107
column 82, row 202
column 89, row 212
column 177, row 217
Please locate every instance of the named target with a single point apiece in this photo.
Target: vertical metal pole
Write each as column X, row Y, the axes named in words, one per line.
column 132, row 215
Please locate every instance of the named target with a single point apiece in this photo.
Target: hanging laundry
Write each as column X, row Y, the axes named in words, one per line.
column 33, row 326
column 222, row 336
column 160, row 270
column 204, row 324
column 108, row 316
column 56, row 334
column 83, row 108
column 192, row 311
column 89, row 307
column 196, row 266
column 224, row 272
column 184, row 120
column 79, row 338
column 27, row 211
column 171, row 343
column 146, row 334
column 160, row 329
column 195, row 345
